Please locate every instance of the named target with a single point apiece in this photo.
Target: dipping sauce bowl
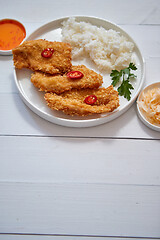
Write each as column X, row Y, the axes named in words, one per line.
column 12, row 34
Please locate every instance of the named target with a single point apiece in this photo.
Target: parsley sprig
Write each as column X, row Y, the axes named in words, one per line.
column 124, row 74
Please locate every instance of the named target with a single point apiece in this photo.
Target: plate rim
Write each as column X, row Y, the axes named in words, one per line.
column 86, row 122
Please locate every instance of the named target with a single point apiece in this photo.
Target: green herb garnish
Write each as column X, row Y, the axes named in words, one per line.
column 124, row 74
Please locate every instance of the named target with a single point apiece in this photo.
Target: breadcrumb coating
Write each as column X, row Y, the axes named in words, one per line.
column 72, row 102
column 28, row 55
column 59, row 84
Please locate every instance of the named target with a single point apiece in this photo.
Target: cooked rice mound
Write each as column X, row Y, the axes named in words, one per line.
column 107, row 48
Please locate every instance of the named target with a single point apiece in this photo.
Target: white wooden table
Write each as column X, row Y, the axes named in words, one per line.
column 67, row 183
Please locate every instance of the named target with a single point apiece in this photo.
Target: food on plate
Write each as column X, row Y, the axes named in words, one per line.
column 149, row 103
column 73, row 102
column 12, row 34
column 79, row 77
column 30, row 54
column 78, row 90
column 107, row 48
column 124, row 76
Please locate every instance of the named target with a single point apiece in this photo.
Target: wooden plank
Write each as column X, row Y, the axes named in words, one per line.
column 57, row 237
column 80, row 209
column 116, row 11
column 15, row 113
column 13, row 110
column 18, row 119
column 47, row 159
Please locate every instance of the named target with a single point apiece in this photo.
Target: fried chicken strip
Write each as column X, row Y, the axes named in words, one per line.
column 59, row 84
column 28, row 55
column 72, row 102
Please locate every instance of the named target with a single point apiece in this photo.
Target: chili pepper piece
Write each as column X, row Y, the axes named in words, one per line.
column 75, row 75
column 47, row 53
column 90, row 99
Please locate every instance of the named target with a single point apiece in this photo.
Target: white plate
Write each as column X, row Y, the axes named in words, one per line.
column 141, row 114
column 35, row 99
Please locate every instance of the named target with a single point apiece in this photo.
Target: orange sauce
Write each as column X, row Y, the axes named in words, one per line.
column 12, row 34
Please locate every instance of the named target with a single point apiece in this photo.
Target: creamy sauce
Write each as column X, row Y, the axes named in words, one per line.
column 12, row 34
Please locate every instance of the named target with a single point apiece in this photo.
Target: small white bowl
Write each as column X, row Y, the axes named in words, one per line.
column 9, row 52
column 141, row 114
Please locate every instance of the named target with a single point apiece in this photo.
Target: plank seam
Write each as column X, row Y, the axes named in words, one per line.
column 77, row 235
column 78, row 137
column 80, row 183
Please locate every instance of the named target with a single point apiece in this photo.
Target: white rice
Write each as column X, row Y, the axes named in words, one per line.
column 107, row 48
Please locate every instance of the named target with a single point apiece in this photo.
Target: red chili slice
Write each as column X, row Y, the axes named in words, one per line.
column 90, row 99
column 47, row 53
column 75, row 75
